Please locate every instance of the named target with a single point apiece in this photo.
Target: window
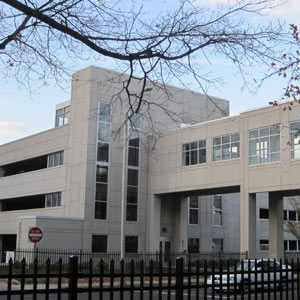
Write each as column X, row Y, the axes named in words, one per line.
column 295, row 140
column 131, row 244
column 194, row 153
column 55, row 159
column 53, row 199
column 226, row 147
column 217, row 210
column 101, row 192
column 293, row 245
column 285, row 215
column 264, row 145
column 193, row 245
column 132, row 195
column 193, row 210
column 217, row 245
column 99, row 243
column 264, row 245
column 103, row 138
column 62, row 116
column 263, row 213
column 292, row 215
column 133, row 169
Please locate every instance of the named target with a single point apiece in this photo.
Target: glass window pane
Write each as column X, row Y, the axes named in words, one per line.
column 99, row 243
column 134, row 142
column 235, row 150
column 185, row 147
column 253, row 147
column 133, row 156
column 104, row 112
column 217, row 202
column 217, row 218
column 102, row 174
column 217, row 140
column 48, row 200
column 235, row 137
column 292, row 245
column 193, row 219
column 131, row 244
column 202, row 144
column 225, row 139
column 275, row 129
column 131, row 212
column 194, row 157
column 194, row 145
column 253, row 134
column 193, row 245
column 264, row 132
column 102, row 153
column 132, row 177
column 100, row 210
column 194, row 202
column 226, row 151
column 253, row 160
column 275, row 143
column 275, row 156
column 101, row 191
column 202, row 156
column 295, row 126
column 185, row 158
column 217, row 153
column 132, row 194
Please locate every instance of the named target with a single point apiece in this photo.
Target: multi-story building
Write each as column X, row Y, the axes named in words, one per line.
column 207, row 186
column 68, row 180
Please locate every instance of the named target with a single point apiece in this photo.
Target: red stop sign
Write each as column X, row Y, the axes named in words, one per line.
column 35, row 234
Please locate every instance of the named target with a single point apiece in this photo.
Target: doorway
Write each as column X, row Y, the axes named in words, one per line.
column 165, row 248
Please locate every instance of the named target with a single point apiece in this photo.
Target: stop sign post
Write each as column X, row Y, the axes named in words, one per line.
column 35, row 234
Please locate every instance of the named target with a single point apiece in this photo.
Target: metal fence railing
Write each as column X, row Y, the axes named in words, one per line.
column 211, row 280
column 84, row 257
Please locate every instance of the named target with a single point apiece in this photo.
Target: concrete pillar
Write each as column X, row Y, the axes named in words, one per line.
column 276, row 246
column 248, row 224
column 154, row 224
column 183, row 223
column 180, row 224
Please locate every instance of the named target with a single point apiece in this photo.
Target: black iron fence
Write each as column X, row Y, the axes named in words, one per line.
column 187, row 280
column 42, row 255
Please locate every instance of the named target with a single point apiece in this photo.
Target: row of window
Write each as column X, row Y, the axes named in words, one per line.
column 288, row 215
column 99, row 244
column 102, row 160
column 62, row 116
column 289, row 245
column 216, row 211
column 133, row 146
column 264, row 146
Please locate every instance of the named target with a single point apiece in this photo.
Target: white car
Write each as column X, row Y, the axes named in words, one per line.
column 251, row 275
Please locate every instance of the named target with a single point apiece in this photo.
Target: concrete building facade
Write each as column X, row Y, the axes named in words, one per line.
column 198, row 189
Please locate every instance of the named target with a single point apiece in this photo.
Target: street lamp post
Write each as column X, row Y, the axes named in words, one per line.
column 124, row 181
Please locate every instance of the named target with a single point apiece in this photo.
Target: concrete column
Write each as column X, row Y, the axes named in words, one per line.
column 154, row 224
column 276, row 247
column 248, row 224
column 183, row 223
column 180, row 224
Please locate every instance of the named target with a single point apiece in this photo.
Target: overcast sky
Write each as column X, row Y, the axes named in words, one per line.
column 22, row 113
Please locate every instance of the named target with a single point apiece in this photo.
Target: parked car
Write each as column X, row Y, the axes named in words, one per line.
column 249, row 272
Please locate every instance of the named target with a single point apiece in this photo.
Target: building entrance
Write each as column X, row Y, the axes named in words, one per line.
column 165, row 248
